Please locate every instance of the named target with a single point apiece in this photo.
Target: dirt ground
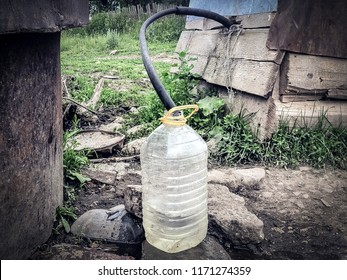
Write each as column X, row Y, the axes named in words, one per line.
column 303, row 210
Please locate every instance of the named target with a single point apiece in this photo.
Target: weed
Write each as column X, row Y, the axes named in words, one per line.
column 64, row 216
column 318, row 145
column 166, row 29
column 73, row 161
column 237, row 144
column 112, row 39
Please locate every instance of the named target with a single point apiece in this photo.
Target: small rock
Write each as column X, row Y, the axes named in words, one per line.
column 113, row 52
column 229, row 216
column 133, row 200
column 250, row 177
column 277, row 229
column 135, row 129
column 300, row 204
column 305, row 168
column 208, row 249
column 113, row 126
column 328, row 189
column 133, row 147
column 219, row 176
column 325, row 203
column 96, row 225
column 267, row 194
column 223, row 177
column 134, row 110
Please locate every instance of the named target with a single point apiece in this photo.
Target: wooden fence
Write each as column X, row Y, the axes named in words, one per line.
column 149, row 9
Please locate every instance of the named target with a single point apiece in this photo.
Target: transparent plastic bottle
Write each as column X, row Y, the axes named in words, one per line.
column 174, row 182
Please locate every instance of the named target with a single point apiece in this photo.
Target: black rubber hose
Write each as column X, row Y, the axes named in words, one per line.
column 152, row 73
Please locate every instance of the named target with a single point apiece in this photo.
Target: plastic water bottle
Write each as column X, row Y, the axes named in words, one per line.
column 174, row 182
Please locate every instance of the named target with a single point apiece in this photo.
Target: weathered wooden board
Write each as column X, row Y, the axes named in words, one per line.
column 307, row 113
column 295, row 97
column 306, row 73
column 217, row 70
column 316, row 27
column 184, row 41
column 250, row 45
column 203, row 42
column 254, row 77
column 336, row 93
column 199, row 63
column 247, row 21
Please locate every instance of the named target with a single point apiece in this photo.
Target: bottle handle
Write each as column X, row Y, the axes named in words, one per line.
column 179, row 120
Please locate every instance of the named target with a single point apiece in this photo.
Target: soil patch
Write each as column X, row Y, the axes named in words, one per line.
column 303, row 213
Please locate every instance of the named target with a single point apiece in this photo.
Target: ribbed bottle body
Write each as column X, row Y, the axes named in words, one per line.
column 174, row 182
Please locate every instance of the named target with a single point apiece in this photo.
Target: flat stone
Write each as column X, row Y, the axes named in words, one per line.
column 133, row 147
column 114, row 225
column 208, row 249
column 135, row 129
column 98, row 140
column 109, row 173
column 230, row 219
column 221, row 176
column 249, row 177
column 113, row 126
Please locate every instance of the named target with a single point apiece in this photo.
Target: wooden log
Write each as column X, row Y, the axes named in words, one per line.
column 94, row 99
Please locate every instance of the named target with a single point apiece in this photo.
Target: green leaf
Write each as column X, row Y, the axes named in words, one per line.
column 209, row 105
column 65, row 224
column 79, row 177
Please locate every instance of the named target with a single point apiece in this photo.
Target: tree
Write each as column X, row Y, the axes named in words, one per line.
column 111, row 5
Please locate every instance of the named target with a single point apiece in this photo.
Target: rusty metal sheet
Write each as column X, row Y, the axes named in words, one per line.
column 316, row 27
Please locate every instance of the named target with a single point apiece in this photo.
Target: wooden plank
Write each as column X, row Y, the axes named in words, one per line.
column 295, row 97
column 203, row 42
column 184, row 41
column 247, row 21
column 256, row 20
column 336, row 93
column 254, row 77
column 316, row 27
column 314, row 73
column 216, row 70
column 250, row 45
column 307, row 113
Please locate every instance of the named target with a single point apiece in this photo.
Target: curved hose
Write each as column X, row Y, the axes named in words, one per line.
column 152, row 73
